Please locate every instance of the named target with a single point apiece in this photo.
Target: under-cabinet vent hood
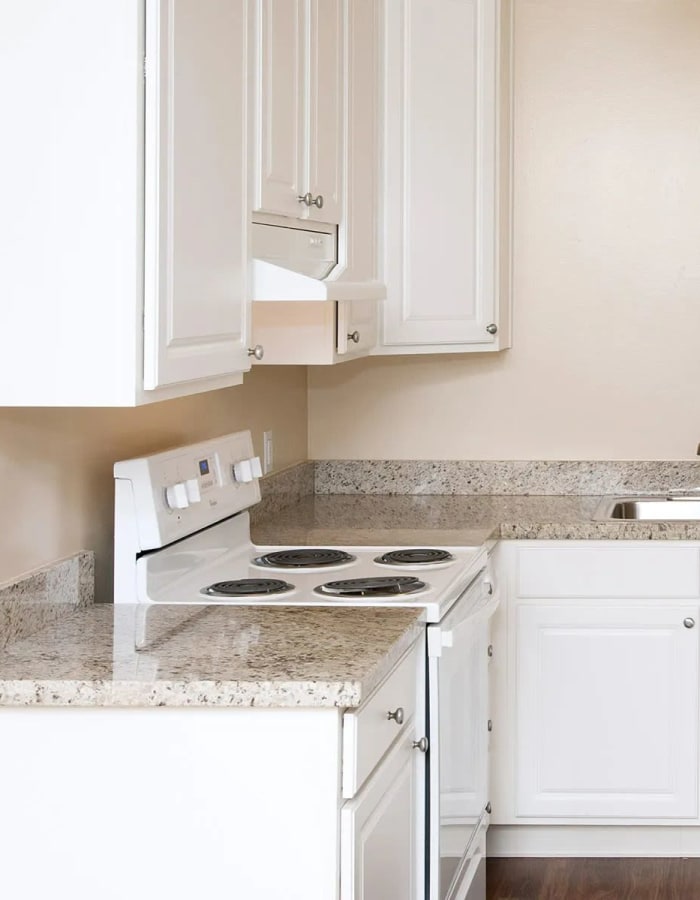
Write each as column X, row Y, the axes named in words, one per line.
column 298, row 260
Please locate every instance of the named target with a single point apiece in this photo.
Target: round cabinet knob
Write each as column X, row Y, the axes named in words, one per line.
column 689, row 623
column 354, row 337
column 421, row 745
column 397, row 715
column 489, row 650
column 489, row 725
column 318, row 202
column 307, row 198
column 492, row 328
column 258, row 351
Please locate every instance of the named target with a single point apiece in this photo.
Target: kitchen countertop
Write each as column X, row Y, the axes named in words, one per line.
column 451, row 519
column 287, row 656
column 219, row 656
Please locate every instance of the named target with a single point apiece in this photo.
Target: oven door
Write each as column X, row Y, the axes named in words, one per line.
column 458, row 777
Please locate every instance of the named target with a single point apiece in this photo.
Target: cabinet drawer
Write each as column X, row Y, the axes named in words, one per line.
column 368, row 732
column 618, row 572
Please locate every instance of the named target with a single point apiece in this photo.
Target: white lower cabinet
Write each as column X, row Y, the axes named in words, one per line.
column 378, row 833
column 607, row 711
column 218, row 803
column 597, row 697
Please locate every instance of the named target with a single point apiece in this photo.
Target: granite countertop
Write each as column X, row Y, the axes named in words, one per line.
column 452, row 519
column 231, row 656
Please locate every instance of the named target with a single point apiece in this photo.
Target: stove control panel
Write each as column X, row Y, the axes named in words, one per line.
column 169, row 495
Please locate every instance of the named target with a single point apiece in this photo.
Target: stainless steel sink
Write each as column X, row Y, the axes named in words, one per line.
column 672, row 507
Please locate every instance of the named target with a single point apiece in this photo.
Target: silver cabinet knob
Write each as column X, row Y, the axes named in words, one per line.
column 689, row 623
column 421, row 745
column 492, row 328
column 488, row 807
column 397, row 715
column 489, row 725
column 258, row 351
column 489, row 650
column 354, row 337
column 308, row 199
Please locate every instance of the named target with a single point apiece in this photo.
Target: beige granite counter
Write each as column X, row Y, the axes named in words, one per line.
column 231, row 656
column 450, row 520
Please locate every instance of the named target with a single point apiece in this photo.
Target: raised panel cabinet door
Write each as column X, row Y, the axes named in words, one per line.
column 281, row 128
column 359, row 248
column 607, row 711
column 326, row 109
column 377, row 832
column 441, row 172
column 196, row 190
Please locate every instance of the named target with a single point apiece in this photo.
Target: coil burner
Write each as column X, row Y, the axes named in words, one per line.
column 304, row 558
column 246, row 587
column 389, row 586
column 414, row 556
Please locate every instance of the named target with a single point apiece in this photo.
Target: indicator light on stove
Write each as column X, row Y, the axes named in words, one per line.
column 176, row 496
column 192, row 490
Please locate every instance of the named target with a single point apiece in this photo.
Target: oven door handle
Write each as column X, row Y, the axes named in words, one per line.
column 442, row 635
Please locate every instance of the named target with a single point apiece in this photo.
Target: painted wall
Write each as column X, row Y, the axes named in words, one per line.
column 605, row 361
column 56, row 464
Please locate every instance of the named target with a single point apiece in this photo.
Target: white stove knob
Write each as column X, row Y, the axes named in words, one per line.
column 176, row 496
column 247, row 469
column 243, row 471
column 192, row 490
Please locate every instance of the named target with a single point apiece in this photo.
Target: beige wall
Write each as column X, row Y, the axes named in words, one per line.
column 606, row 348
column 56, row 464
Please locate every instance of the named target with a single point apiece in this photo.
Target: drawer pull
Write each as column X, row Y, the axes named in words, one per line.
column 689, row 623
column 421, row 745
column 397, row 715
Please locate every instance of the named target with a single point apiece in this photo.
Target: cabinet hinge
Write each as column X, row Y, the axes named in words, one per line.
column 144, row 68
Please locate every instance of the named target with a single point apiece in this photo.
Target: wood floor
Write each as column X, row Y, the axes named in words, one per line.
column 593, row 879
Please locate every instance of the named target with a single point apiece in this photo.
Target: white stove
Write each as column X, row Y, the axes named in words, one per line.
column 182, row 542
column 182, row 536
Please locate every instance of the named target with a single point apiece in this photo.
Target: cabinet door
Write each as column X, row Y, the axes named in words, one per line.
column 442, row 174
column 607, row 711
column 281, row 129
column 378, row 832
column 359, row 245
column 325, row 93
column 357, row 327
column 196, row 190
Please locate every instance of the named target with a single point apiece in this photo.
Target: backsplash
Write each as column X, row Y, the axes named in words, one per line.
column 503, row 476
column 45, row 595
column 283, row 489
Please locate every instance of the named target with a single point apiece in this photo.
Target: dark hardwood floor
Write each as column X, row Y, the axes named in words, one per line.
column 593, row 879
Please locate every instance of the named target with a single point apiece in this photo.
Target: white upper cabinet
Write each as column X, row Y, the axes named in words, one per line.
column 300, row 108
column 196, row 191
column 447, row 176
column 125, row 200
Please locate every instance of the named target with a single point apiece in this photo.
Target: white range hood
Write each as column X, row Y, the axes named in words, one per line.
column 299, row 261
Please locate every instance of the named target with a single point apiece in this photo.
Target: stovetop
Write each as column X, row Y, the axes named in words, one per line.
column 221, row 565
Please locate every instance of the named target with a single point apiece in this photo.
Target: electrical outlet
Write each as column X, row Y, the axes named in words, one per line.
column 268, row 458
